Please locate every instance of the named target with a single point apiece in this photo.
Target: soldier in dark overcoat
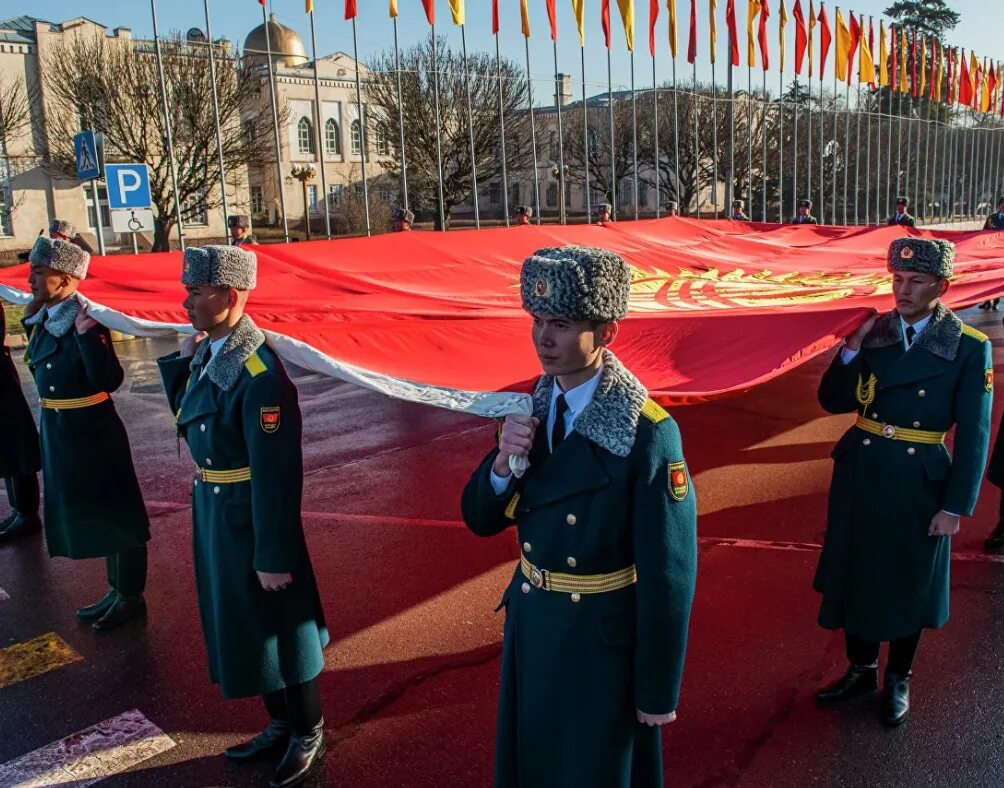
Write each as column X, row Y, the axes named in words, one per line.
column 804, row 215
column 240, row 231
column 739, row 211
column 902, row 216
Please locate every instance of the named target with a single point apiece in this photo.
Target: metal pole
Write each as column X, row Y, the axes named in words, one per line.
column 697, row 154
column 275, row 128
column 833, row 198
column 97, row 216
column 926, row 126
column 794, row 177
column 933, row 186
column 655, row 139
column 585, row 140
column 847, row 143
column 899, row 144
column 857, row 159
column 731, row 190
column 985, row 169
column 822, row 143
column 613, row 167
column 714, row 139
column 809, row 146
column 400, row 123
column 363, row 128
column 320, row 125
column 634, row 142
column 216, row 117
column 505, row 174
column 878, row 159
column 439, row 127
column 470, row 129
column 676, row 135
column 749, row 129
column 780, row 149
column 888, row 168
column 533, row 134
column 170, row 141
column 763, row 163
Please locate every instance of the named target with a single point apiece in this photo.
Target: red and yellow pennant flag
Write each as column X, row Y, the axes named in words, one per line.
column 801, row 38
column 713, row 28
column 883, row 79
column 579, row 9
column 904, row 86
column 923, row 66
column 692, row 37
column 894, row 59
column 310, row 6
column 457, row 10
column 604, row 19
column 939, row 88
column 524, row 20
column 552, row 18
column 991, row 88
column 952, row 77
column 671, row 5
column 627, row 19
column 752, row 10
column 730, row 23
column 965, row 82
column 855, row 42
column 913, row 66
column 762, row 35
column 809, row 37
column 782, row 20
column 843, row 49
column 653, row 16
column 974, row 75
column 262, row 3
column 430, row 10
column 350, row 9
column 824, row 40
column 866, row 61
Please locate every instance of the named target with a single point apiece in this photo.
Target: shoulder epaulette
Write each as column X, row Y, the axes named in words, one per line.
column 970, row 331
column 652, row 411
column 255, row 365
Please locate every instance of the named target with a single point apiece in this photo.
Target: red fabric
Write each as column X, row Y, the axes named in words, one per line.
column 495, row 17
column 965, row 84
column 653, row 16
column 552, row 17
column 950, row 57
column 824, row 40
column 801, row 36
column 692, row 41
column 762, row 35
column 855, row 32
column 430, row 10
column 932, row 78
column 730, row 21
column 605, row 20
column 350, row 9
column 875, row 55
column 717, row 306
column 914, row 83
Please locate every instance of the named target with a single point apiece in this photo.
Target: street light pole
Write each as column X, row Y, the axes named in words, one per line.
column 304, row 173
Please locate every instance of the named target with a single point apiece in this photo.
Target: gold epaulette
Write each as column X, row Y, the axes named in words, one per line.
column 970, row 331
column 255, row 365
column 653, row 411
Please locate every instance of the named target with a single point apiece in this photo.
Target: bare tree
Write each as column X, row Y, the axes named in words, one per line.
column 418, row 67
column 115, row 89
column 16, row 100
column 597, row 155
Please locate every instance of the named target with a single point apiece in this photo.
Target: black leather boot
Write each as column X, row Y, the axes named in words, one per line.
column 995, row 542
column 302, row 755
column 271, row 741
column 858, row 680
column 19, row 525
column 895, row 698
column 100, row 607
column 123, row 609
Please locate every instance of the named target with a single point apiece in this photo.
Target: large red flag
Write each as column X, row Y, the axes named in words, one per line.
column 350, row 9
column 762, row 35
column 692, row 41
column 605, row 20
column 730, row 21
column 552, row 17
column 824, row 40
column 965, row 83
column 653, row 15
column 801, row 36
column 855, row 40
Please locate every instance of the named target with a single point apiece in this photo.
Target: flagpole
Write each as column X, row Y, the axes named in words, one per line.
column 275, row 126
column 714, row 138
column 439, row 126
column 533, row 133
column 847, row 140
column 927, row 159
column 822, row 144
column 857, row 151
column 634, row 143
column 363, row 130
column 794, row 178
column 763, row 155
column 780, row 148
column 676, row 134
column 697, row 173
column 400, row 123
column 985, row 169
column 731, row 191
column 320, row 121
column 933, row 184
column 836, row 105
column 585, row 137
column 868, row 164
column 907, row 168
column 613, row 167
column 170, row 139
column 809, row 145
column 470, row 129
column 878, row 151
column 749, row 129
column 655, row 139
column 505, row 172
column 899, row 140
column 216, row 117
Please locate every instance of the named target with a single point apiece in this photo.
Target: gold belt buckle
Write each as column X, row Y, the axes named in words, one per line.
column 538, row 578
column 889, row 431
column 200, row 474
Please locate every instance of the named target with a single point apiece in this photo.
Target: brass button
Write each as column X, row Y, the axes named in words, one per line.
column 526, row 547
column 576, row 597
column 572, row 562
column 571, row 519
column 922, row 393
column 216, row 490
column 911, row 451
column 525, row 588
column 867, row 442
column 202, row 427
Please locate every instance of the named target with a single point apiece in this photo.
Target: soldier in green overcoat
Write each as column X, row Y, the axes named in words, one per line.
column 902, row 216
column 238, row 412
column 93, row 504
column 804, row 215
column 598, row 609
column 739, row 211
column 897, row 494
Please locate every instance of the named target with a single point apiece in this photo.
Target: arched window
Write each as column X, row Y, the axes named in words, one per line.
column 382, row 146
column 357, row 145
column 305, row 135
column 332, row 137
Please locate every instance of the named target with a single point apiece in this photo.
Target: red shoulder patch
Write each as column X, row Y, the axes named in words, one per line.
column 271, row 417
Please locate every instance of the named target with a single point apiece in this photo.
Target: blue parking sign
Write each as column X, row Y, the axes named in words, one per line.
column 86, row 150
column 128, row 186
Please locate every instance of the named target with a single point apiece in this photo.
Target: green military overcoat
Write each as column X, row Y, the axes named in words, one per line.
column 19, row 449
column 881, row 575
column 93, row 504
column 615, row 493
column 244, row 413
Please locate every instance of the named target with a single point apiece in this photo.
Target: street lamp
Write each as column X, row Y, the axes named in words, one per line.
column 560, row 173
column 304, row 173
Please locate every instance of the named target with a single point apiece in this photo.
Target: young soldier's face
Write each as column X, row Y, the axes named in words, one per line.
column 238, row 232
column 803, row 210
column 49, row 285
column 917, row 294
column 207, row 307
column 565, row 347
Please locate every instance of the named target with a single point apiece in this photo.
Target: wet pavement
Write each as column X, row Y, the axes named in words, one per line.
column 411, row 675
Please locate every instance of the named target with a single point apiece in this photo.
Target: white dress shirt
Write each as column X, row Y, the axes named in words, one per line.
column 214, row 348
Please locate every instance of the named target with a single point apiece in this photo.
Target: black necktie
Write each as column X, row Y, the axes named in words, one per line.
column 911, row 332
column 558, row 428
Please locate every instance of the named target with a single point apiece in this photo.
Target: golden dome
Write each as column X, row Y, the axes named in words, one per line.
column 286, row 46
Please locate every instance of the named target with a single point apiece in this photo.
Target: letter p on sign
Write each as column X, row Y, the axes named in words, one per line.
column 128, row 186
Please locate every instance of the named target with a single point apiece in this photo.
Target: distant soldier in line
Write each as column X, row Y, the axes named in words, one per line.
column 62, row 230
column 739, row 212
column 804, row 215
column 672, row 208
column 604, row 212
column 402, row 220
column 239, row 235
column 995, row 221
column 524, row 213
column 902, row 217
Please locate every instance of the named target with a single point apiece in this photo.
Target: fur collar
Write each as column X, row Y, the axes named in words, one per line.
column 225, row 367
column 940, row 337
column 611, row 419
column 60, row 325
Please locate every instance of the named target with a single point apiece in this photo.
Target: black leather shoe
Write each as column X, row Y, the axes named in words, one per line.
column 100, row 607
column 858, row 680
column 271, row 741
column 302, row 755
column 995, row 542
column 123, row 609
column 895, row 698
column 20, row 525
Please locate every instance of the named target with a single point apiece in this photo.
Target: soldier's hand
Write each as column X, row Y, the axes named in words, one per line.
column 655, row 719
column 944, row 524
column 271, row 581
column 854, row 340
column 517, row 439
column 191, row 343
column 34, row 306
column 84, row 322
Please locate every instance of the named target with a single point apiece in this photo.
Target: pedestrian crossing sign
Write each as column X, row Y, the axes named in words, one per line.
column 87, row 152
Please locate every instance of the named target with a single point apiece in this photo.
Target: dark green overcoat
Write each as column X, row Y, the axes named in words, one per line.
column 810, row 219
column 19, row 450
column 615, row 493
column 906, row 220
column 881, row 575
column 242, row 413
column 93, row 504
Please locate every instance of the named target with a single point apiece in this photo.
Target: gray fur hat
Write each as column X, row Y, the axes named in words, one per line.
column 738, row 203
column 903, row 201
column 923, row 256
column 220, row 266
column 576, row 282
column 524, row 210
column 605, row 206
column 60, row 255
column 673, row 204
column 404, row 215
column 62, row 227
column 805, row 203
column 239, row 220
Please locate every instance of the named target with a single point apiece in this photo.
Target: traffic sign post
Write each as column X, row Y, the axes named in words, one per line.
column 88, row 150
column 129, row 199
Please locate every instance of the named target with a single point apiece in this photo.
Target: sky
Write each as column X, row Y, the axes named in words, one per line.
column 235, row 19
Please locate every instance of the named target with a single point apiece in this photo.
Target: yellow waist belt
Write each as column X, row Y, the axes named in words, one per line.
column 577, row 584
column 898, row 433
column 223, row 477
column 75, row 404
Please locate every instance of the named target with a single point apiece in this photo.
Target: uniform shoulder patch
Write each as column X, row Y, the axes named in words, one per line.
column 972, row 332
column 988, row 380
column 270, row 418
column 255, row 365
column 653, row 411
column 679, row 485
